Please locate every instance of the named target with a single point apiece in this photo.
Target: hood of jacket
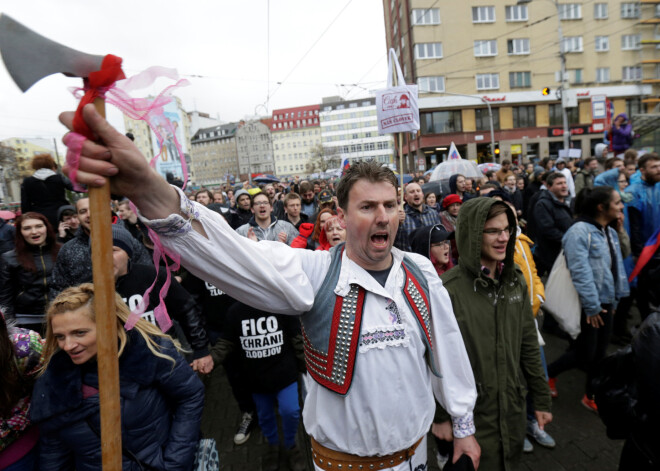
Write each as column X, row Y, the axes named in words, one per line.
column 420, row 241
column 469, row 228
column 43, row 173
column 253, row 221
column 61, row 209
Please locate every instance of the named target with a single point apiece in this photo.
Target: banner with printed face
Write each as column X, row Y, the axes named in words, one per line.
column 396, row 106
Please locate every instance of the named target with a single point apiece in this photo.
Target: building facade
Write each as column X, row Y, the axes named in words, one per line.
column 254, row 147
column 296, row 135
column 25, row 149
column 214, row 156
column 462, row 54
column 349, row 129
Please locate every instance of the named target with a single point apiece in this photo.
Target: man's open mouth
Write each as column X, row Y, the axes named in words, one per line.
column 380, row 238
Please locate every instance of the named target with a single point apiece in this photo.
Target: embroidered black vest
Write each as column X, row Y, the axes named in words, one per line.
column 331, row 329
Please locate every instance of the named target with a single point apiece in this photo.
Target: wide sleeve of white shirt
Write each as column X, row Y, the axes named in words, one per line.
column 458, row 394
column 266, row 275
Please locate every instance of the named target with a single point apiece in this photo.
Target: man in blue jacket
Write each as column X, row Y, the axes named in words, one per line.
column 644, row 218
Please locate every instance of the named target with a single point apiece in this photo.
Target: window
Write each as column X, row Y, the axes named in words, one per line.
column 428, row 51
column 483, row 14
column 572, row 44
column 602, row 74
column 600, row 11
column 570, row 11
column 602, row 43
column 517, row 46
column 524, row 116
column 485, row 48
column 633, row 106
column 574, row 75
column 630, row 10
column 556, row 118
column 426, row 16
column 516, row 13
column 520, row 79
column 482, row 120
column 431, row 84
column 630, row 74
column 438, row 122
column 488, row 81
column 631, row 42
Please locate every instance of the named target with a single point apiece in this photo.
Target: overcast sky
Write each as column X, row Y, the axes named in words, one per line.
column 316, row 48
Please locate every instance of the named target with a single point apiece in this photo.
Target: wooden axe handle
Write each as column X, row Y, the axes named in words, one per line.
column 106, row 320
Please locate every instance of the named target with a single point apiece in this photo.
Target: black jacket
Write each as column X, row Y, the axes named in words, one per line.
column 240, row 217
column 270, row 347
column 45, row 196
column 23, row 291
column 74, row 262
column 551, row 221
column 180, row 305
column 161, row 411
column 7, row 232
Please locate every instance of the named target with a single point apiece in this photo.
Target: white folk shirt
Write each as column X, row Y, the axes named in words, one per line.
column 390, row 404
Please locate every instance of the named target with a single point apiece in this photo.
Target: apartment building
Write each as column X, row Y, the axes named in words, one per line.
column 349, row 129
column 464, row 54
column 254, row 147
column 296, row 134
column 214, row 155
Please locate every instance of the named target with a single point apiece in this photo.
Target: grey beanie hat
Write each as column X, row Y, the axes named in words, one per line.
column 123, row 239
column 239, row 193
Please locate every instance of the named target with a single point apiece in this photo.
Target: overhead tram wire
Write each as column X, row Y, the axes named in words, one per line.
column 280, row 83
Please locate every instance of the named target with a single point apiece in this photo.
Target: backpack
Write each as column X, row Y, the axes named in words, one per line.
column 616, row 393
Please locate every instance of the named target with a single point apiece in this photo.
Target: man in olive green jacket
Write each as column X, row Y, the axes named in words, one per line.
column 494, row 314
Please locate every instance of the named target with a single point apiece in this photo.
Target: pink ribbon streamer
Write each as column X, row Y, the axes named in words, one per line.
column 151, row 111
column 74, row 143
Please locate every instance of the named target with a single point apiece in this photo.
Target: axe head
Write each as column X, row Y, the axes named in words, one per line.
column 29, row 57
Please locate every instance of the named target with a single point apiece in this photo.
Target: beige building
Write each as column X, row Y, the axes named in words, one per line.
column 296, row 135
column 214, row 156
column 255, row 150
column 506, row 53
column 25, row 149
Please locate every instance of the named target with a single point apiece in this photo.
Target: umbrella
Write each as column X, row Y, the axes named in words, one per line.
column 407, row 178
column 429, row 171
column 7, row 215
column 445, row 170
column 266, row 178
column 489, row 166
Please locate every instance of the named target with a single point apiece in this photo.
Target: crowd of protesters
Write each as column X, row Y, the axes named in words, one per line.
column 492, row 241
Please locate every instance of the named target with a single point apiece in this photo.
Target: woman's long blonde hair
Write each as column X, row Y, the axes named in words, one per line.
column 82, row 295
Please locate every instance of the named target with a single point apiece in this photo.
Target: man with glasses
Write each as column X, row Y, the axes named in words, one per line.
column 265, row 226
column 494, row 313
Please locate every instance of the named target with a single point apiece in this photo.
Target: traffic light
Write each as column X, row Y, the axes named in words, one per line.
column 545, row 91
column 497, row 150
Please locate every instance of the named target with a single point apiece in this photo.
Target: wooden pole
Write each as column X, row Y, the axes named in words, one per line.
column 106, row 321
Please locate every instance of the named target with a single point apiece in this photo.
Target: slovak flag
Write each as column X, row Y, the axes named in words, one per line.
column 650, row 248
column 344, row 165
column 453, row 152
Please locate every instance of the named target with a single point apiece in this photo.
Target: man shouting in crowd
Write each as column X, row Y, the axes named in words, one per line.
column 362, row 299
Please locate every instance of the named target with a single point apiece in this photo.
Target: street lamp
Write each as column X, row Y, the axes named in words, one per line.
column 563, row 87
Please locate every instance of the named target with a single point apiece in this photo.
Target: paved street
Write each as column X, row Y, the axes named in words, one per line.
column 580, row 435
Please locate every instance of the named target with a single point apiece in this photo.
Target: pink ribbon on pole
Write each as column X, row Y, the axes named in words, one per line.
column 151, row 111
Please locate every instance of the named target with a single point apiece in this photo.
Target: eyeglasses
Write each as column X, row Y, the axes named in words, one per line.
column 261, row 203
column 496, row 232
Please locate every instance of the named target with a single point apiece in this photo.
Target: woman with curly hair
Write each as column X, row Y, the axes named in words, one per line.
column 161, row 397
column 26, row 271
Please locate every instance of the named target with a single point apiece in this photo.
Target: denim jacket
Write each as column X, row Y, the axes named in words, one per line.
column 594, row 280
